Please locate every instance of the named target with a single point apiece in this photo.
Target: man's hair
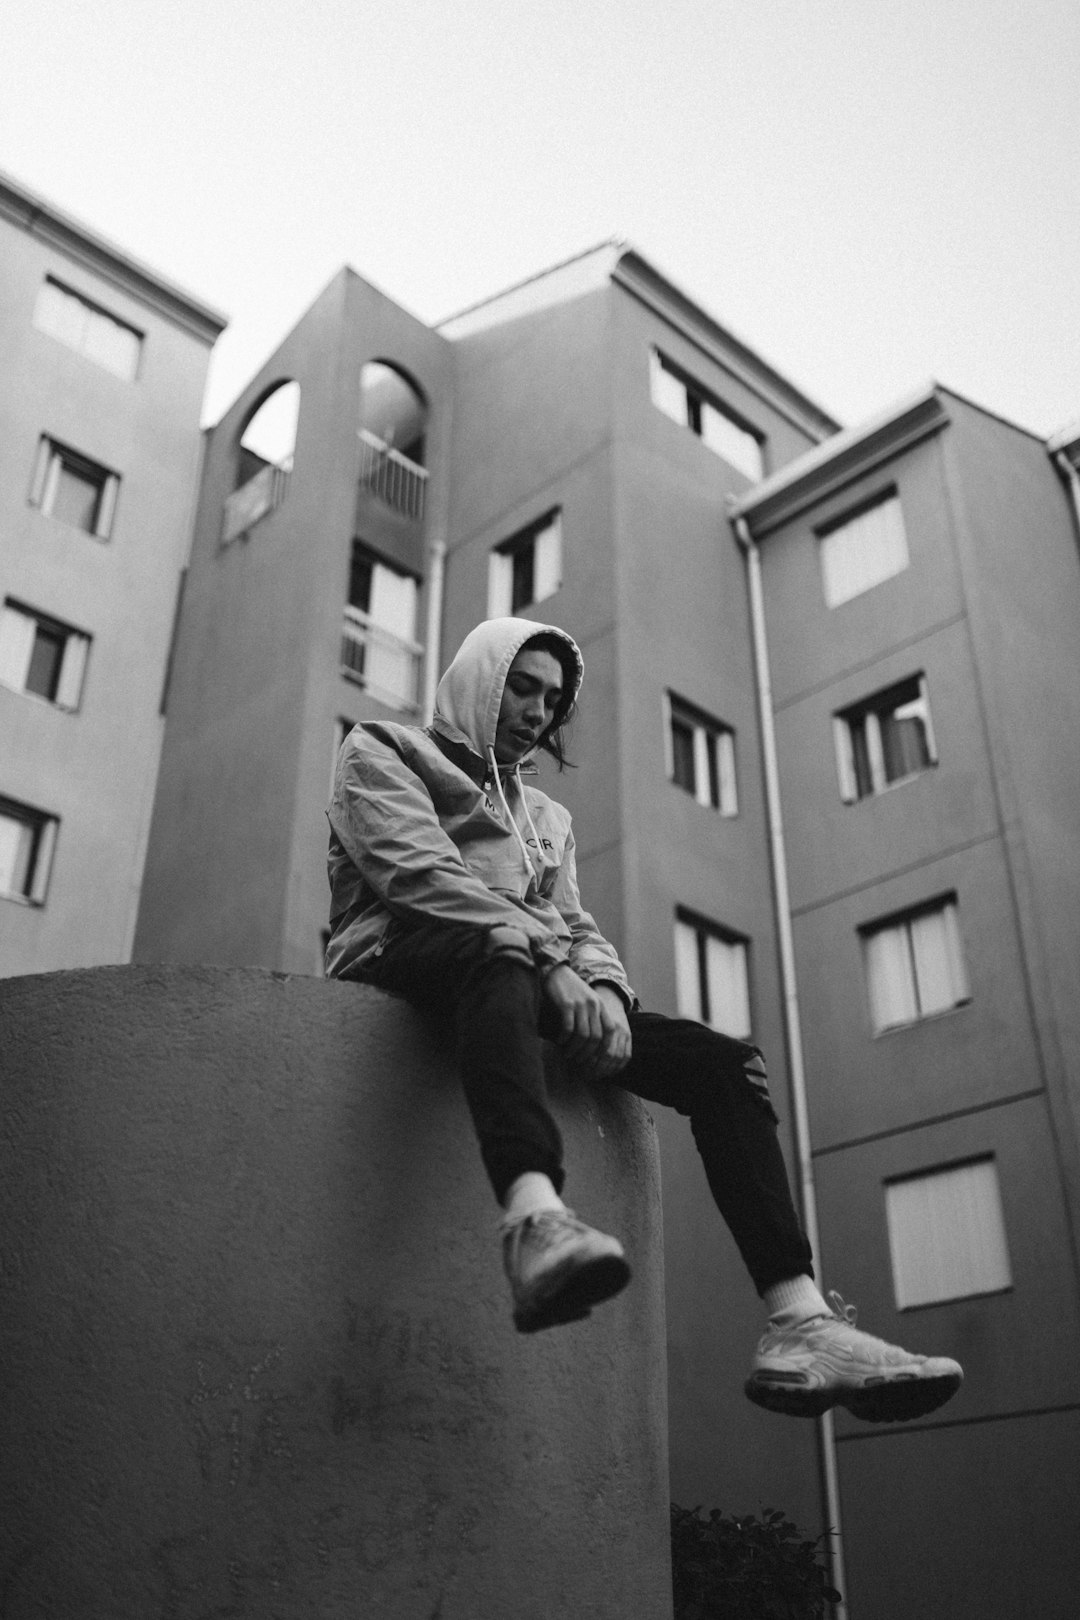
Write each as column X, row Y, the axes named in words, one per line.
column 555, row 738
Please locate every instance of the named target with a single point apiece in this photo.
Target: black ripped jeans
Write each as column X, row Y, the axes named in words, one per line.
column 495, row 1004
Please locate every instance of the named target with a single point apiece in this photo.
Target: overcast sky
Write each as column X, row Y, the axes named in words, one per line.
column 869, row 193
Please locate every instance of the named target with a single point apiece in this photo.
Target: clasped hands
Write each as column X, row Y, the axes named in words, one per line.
column 593, row 1028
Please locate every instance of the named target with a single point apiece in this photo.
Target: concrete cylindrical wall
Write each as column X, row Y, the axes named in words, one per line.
column 257, row 1350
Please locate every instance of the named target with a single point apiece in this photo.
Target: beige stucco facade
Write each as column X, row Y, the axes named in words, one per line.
column 985, row 612
column 91, row 770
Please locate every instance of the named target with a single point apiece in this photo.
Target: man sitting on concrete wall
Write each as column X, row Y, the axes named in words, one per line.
column 453, row 884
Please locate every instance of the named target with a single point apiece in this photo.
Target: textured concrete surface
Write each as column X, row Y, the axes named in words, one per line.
column 257, row 1355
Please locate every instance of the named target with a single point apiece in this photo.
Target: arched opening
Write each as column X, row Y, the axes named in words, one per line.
column 392, row 420
column 264, row 459
column 270, row 436
column 393, row 409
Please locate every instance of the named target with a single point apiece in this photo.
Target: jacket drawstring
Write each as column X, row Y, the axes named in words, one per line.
column 544, row 860
column 522, row 845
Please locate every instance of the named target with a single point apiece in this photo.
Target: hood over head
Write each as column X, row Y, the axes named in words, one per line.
column 470, row 694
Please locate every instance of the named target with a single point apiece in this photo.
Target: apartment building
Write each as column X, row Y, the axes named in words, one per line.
column 921, row 596
column 593, row 448
column 564, row 451
column 104, row 366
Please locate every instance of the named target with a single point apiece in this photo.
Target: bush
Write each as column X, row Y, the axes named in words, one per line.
column 730, row 1568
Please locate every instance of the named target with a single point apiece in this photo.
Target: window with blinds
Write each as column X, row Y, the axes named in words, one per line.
column 914, row 965
column 947, row 1234
column 863, row 549
column 88, row 329
column 712, row 975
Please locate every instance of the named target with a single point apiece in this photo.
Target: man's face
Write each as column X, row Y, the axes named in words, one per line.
column 530, row 697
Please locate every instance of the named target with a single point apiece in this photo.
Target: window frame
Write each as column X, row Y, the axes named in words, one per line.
column 908, row 1233
column 367, row 637
column 70, row 677
column 504, row 558
column 697, row 401
column 54, row 457
column 95, row 313
column 692, row 932
column 830, row 573
column 715, row 784
column 868, row 713
column 44, row 830
column 903, row 923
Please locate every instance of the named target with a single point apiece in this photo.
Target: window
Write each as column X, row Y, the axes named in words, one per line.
column 885, row 739
column 711, row 978
column 27, row 841
column 377, row 646
column 527, row 568
column 947, row 1234
column 701, row 755
column 41, row 656
column 915, row 965
column 85, row 327
column 862, row 549
column 74, row 489
column 687, row 403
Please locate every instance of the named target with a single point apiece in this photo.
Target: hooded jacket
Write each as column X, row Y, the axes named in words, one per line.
column 426, row 826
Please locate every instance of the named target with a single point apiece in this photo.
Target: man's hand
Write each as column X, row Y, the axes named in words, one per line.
column 594, row 1031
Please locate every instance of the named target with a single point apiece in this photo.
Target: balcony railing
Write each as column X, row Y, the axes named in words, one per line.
column 386, row 665
column 392, row 477
column 246, row 505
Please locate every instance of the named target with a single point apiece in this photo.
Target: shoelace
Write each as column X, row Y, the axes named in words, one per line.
column 842, row 1312
column 547, row 1225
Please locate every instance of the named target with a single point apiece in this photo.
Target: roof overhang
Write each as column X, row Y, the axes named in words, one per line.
column 617, row 262
column 38, row 217
column 839, row 460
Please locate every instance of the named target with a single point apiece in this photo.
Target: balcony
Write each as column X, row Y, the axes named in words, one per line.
column 384, row 664
column 253, row 500
column 391, row 476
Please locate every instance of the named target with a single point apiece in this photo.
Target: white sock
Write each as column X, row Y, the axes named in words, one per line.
column 530, row 1193
column 793, row 1301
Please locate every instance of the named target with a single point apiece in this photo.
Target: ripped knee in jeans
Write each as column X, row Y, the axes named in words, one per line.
column 753, row 1072
column 506, row 942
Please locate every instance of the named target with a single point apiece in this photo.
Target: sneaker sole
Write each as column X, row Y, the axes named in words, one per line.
column 896, row 1400
column 570, row 1294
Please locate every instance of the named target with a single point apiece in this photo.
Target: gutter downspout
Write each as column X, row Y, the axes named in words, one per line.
column 436, row 576
column 792, row 1022
column 433, row 633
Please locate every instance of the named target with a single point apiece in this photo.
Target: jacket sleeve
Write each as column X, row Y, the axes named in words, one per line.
column 388, row 826
column 592, row 957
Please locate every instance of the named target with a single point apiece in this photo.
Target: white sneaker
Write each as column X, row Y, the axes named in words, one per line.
column 802, row 1371
column 558, row 1267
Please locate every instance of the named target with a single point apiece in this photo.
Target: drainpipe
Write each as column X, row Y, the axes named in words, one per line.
column 433, row 633
column 792, row 1023
column 436, row 571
